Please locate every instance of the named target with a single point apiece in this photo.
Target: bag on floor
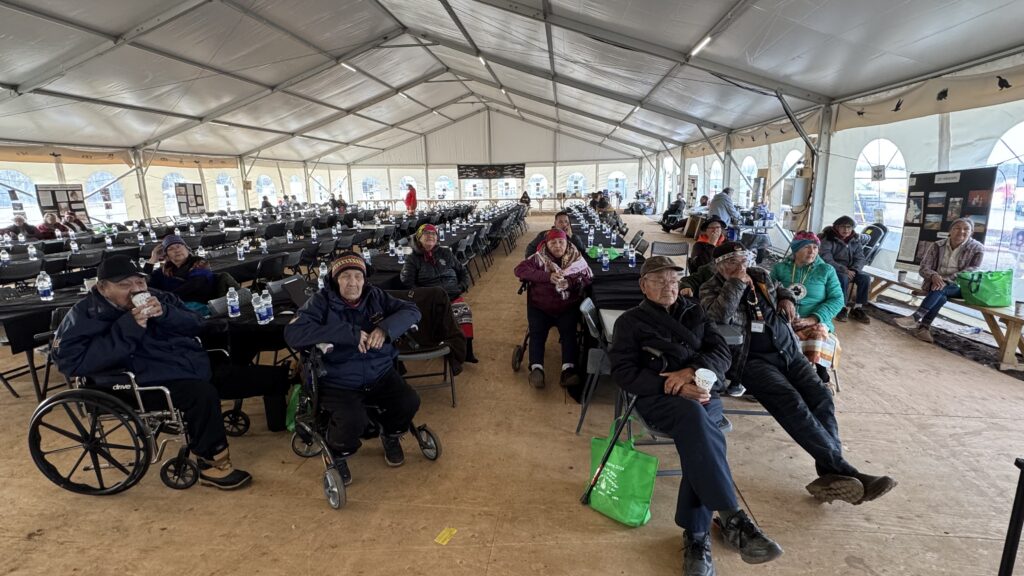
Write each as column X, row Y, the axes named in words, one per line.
column 992, row 289
column 293, row 407
column 626, row 486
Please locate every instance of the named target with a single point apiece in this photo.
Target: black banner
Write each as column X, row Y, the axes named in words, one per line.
column 936, row 199
column 491, row 171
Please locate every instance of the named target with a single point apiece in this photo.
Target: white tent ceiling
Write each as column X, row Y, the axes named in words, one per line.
column 342, row 80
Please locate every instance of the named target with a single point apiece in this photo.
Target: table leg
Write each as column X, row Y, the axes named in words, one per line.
column 878, row 285
column 996, row 329
column 1008, row 355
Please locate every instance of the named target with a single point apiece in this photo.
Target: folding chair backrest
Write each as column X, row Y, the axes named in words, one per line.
column 326, row 247
column 637, row 238
column 271, row 267
column 641, row 247
column 89, row 259
column 219, row 306
column 19, row 271
column 592, row 319
column 670, row 249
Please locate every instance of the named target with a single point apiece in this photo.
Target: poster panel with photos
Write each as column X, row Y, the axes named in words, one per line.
column 61, row 198
column 189, row 198
column 936, row 199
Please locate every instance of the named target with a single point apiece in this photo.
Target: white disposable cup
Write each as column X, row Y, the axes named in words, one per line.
column 705, row 379
column 89, row 283
column 140, row 299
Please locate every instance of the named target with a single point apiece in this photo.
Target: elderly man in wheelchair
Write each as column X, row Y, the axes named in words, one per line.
column 354, row 325
column 122, row 325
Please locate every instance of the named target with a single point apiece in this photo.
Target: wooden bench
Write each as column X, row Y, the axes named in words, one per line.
column 1009, row 340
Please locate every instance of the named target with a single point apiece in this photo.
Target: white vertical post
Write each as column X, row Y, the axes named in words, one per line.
column 348, row 178
column 141, row 177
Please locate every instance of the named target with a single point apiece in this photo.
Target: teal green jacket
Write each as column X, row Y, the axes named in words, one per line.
column 824, row 297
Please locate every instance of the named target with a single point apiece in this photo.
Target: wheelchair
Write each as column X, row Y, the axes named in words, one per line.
column 311, row 422
column 100, row 436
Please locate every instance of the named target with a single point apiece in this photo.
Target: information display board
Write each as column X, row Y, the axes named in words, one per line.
column 189, row 198
column 491, row 171
column 61, row 198
column 936, row 199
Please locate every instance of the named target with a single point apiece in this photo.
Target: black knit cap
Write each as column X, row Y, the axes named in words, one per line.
column 843, row 221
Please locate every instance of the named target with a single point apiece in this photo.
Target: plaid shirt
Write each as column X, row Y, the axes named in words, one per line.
column 971, row 253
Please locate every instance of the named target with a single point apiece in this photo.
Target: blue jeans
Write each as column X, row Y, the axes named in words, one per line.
column 540, row 324
column 862, row 281
column 934, row 302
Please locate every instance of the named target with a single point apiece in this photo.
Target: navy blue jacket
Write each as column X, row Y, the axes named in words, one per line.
column 326, row 318
column 98, row 337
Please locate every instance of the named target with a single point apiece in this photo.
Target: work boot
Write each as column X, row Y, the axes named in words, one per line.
column 569, row 378
column 907, row 322
column 875, row 486
column 342, row 465
column 537, row 378
column 859, row 315
column 219, row 473
column 740, row 532
column 842, row 316
column 831, row 487
column 393, row 453
column 924, row 334
column 697, row 556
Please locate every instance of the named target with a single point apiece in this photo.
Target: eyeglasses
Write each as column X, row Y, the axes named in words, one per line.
column 662, row 283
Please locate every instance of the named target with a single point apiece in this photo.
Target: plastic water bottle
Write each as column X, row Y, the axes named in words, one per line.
column 321, row 280
column 201, row 252
column 268, row 308
column 74, row 247
column 140, row 238
column 142, row 263
column 7, row 238
column 605, row 262
column 177, row 231
column 401, row 255
column 221, row 225
column 367, row 257
column 32, row 252
column 58, row 234
column 391, row 247
column 263, row 246
column 152, row 235
column 615, row 237
column 266, row 295
column 257, row 308
column 312, row 233
column 110, row 242
column 240, row 251
column 590, row 238
column 44, row 286
column 5, row 258
column 21, row 237
column 234, row 310
column 631, row 254
column 440, row 235
column 191, row 229
column 289, row 236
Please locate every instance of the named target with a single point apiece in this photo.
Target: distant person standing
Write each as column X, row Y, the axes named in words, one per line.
column 410, row 199
column 721, row 205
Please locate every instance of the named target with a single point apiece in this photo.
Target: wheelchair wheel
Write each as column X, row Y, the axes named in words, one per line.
column 303, row 448
column 88, row 442
column 517, row 358
column 179, row 473
column 236, row 422
column 334, row 488
column 429, row 444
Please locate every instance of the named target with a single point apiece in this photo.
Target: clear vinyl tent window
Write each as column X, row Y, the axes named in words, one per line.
column 507, row 188
column 715, row 178
column 340, row 187
column 882, row 201
column 27, row 197
column 265, row 187
column 170, row 198
column 538, row 185
column 297, row 188
column 617, row 184
column 320, row 190
column 109, row 209
column 404, row 184
column 443, row 186
column 577, row 184
column 227, row 194
column 668, row 171
column 748, row 169
column 474, row 188
column 1005, row 233
column 370, row 188
column 695, row 172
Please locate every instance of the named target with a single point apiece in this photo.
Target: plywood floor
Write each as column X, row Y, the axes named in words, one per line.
column 512, row 472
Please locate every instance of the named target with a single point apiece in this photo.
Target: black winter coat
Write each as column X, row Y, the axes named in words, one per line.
column 684, row 335
column 97, row 337
column 446, row 271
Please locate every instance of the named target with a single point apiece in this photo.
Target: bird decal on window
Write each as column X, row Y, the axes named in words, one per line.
column 1004, row 83
column 942, row 95
column 899, row 105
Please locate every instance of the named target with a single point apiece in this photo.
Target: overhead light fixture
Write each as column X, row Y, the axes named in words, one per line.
column 503, row 92
column 404, row 95
column 215, row 123
column 636, row 109
column 482, row 61
column 346, row 66
column 436, row 112
column 700, row 46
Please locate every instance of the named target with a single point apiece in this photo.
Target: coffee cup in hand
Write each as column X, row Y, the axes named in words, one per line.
column 140, row 299
column 705, row 379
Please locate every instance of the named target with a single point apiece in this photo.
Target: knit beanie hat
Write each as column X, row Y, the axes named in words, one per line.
column 426, row 229
column 843, row 221
column 803, row 239
column 348, row 260
column 171, row 240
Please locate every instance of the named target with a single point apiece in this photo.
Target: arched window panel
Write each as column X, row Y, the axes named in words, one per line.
column 506, row 188
column 790, row 160
column 576, row 184
column 371, row 189
column 29, row 204
column 265, row 187
column 537, row 185
column 882, row 200
column 167, row 189
column 321, row 191
column 104, row 198
column 443, row 188
column 226, row 192
column 296, row 188
column 1004, row 234
column 715, row 177
column 405, row 182
column 617, row 183
column 474, row 189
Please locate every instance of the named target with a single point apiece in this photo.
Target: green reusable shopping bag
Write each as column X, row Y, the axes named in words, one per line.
column 624, row 490
column 293, row 406
column 613, row 253
column 992, row 289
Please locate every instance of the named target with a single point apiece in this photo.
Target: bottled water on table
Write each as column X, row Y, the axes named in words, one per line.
column 240, row 251
column 177, row 231
column 391, row 247
column 590, row 238
column 367, row 256
column 201, row 252
column 312, row 233
column 140, row 238
column 321, row 280
column 110, row 242
column 605, row 262
column 152, row 236
column 142, row 263
column 191, row 229
column 234, row 309
column 631, row 254
column 5, row 257
column 32, row 252
column 44, row 286
column 21, row 237
column 401, row 255
column 74, row 247
column 58, row 234
column 289, row 236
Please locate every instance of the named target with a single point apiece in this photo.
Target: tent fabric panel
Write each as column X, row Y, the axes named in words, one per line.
column 408, row 153
column 425, row 124
column 435, row 93
column 298, row 149
column 279, row 112
column 534, row 106
column 429, row 16
column 599, row 105
column 618, row 69
column 217, row 139
column 347, row 129
column 397, row 66
column 317, row 21
column 523, row 82
column 674, row 24
column 30, row 46
column 114, row 19
column 503, row 33
column 464, row 142
column 393, row 110
column 387, row 139
column 514, row 141
column 571, row 148
column 460, row 61
column 340, row 87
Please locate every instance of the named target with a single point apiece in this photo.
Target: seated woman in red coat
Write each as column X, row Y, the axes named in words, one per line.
column 557, row 274
column 48, row 229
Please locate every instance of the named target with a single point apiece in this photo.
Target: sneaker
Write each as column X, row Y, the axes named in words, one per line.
column 697, row 556
column 907, row 322
column 831, row 487
column 725, row 425
column 924, row 334
column 736, row 390
column 342, row 466
column 569, row 378
column 219, row 473
column 875, row 486
column 537, row 378
column 393, row 453
column 859, row 315
column 741, row 533
column 842, row 316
